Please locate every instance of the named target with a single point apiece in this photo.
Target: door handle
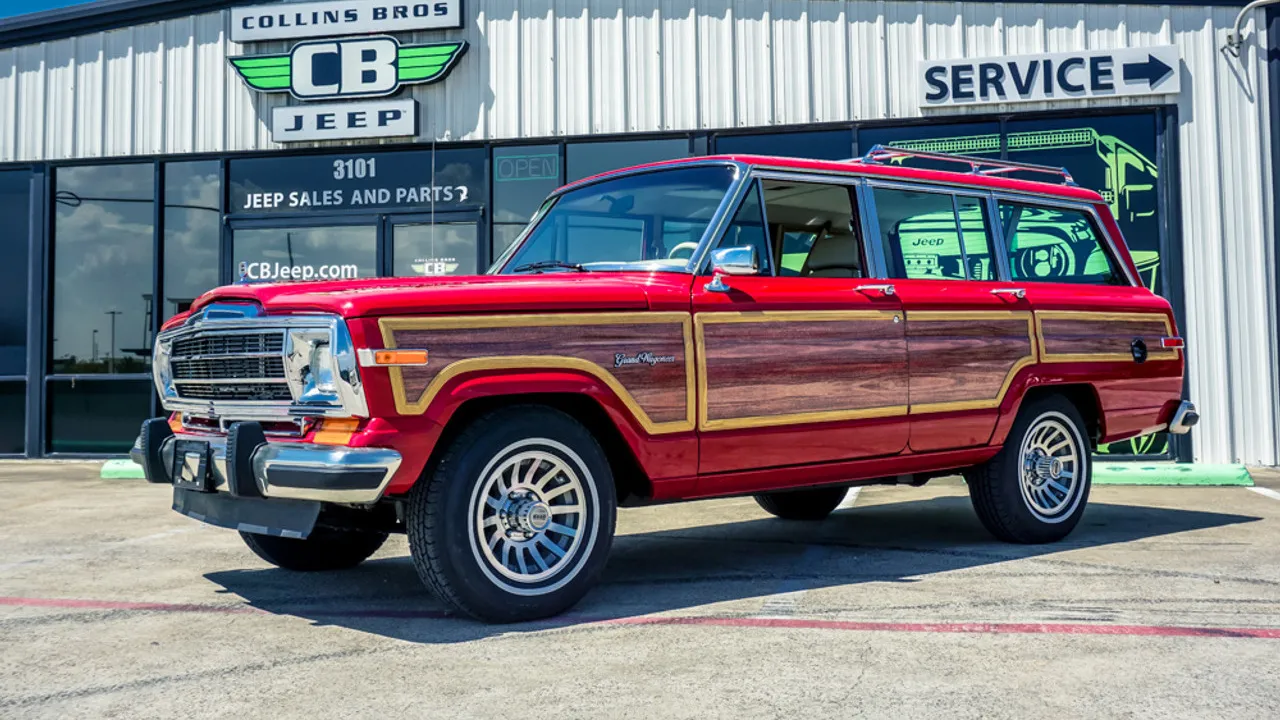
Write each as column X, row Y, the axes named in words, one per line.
column 885, row 289
column 1018, row 293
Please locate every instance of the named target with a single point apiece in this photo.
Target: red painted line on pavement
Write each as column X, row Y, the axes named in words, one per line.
column 710, row 621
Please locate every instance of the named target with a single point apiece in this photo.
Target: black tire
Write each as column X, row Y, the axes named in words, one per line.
column 467, row 524
column 1014, row 495
column 813, row 504
column 323, row 549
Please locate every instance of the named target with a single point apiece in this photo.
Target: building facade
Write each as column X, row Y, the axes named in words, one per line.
column 152, row 149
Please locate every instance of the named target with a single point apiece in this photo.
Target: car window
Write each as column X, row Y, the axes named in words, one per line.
column 1048, row 244
column 922, row 240
column 816, row 229
column 747, row 228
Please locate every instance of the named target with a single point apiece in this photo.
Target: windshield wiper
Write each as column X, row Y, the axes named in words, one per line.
column 549, row 264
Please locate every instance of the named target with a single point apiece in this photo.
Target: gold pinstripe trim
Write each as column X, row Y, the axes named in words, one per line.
column 701, row 320
column 1048, row 357
column 1024, row 361
column 389, row 326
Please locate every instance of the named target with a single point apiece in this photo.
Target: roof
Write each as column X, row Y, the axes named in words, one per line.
column 859, row 167
column 103, row 15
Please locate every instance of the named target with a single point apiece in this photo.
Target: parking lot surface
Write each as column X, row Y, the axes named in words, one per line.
column 1164, row 602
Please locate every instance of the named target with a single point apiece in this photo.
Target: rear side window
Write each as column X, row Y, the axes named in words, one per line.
column 1048, row 244
column 934, row 236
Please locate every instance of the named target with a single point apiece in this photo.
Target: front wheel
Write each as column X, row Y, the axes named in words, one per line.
column 516, row 521
column 1035, row 489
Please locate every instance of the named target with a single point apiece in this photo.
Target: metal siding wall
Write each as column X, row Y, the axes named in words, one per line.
column 547, row 68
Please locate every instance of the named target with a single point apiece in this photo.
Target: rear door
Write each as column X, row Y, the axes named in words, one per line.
column 806, row 361
column 1094, row 319
column 968, row 333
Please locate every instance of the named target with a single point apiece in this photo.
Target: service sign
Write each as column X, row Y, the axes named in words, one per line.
column 1050, row 76
column 287, row 21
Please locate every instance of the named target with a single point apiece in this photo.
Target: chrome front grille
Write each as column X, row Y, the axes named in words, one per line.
column 229, row 365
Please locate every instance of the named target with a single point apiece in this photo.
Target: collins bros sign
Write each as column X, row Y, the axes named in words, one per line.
column 346, row 68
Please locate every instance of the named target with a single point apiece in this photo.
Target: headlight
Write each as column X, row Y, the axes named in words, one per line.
column 320, row 369
column 161, row 371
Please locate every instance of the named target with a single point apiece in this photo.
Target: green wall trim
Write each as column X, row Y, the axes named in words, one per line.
column 122, row 470
column 1163, row 473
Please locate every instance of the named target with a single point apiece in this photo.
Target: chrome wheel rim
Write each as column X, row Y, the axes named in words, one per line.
column 1052, row 467
column 533, row 517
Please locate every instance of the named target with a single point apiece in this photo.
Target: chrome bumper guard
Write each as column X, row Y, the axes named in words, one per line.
column 1184, row 418
column 295, row 471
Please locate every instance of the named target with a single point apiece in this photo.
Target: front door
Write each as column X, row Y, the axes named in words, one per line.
column 805, row 362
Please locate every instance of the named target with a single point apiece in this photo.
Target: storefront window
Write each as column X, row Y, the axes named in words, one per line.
column 824, row 145
column 586, row 159
column 978, row 139
column 13, row 417
column 419, row 181
column 523, row 177
column 97, row 416
column 15, row 208
column 427, row 249
column 103, row 257
column 281, row 254
column 192, row 232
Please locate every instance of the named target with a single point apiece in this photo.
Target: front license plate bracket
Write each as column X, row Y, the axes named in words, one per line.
column 191, row 465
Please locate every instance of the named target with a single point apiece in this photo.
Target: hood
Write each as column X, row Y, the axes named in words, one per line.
column 465, row 294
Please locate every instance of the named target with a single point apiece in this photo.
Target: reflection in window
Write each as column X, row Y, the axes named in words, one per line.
column 824, row 145
column 97, row 416
column 15, row 208
column 103, row 251
column 922, row 241
column 306, row 253
column 13, row 417
column 587, row 159
column 425, row 250
column 504, row 235
column 1056, row 245
column 628, row 219
column 192, row 232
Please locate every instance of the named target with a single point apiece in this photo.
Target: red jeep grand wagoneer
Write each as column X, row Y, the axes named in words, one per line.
column 690, row 329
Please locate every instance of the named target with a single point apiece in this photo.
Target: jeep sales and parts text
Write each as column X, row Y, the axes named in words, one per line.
column 357, row 169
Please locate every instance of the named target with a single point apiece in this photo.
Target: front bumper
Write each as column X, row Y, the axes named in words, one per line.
column 253, row 468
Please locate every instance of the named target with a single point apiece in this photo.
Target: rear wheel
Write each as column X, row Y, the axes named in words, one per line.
column 814, row 504
column 1035, row 489
column 516, row 521
column 323, row 549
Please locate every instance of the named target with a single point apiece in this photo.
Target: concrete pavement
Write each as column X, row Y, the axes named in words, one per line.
column 1164, row 602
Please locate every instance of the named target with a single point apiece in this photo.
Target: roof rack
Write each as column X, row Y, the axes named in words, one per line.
column 880, row 154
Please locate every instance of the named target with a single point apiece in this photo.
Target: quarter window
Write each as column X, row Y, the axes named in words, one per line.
column 1056, row 245
column 934, row 236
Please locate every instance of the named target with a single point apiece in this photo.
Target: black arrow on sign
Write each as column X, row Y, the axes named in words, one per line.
column 1153, row 71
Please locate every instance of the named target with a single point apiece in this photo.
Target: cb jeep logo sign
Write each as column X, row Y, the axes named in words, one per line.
column 353, row 68
column 347, row 68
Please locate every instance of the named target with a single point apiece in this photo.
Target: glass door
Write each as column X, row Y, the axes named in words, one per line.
column 305, row 250
column 434, row 245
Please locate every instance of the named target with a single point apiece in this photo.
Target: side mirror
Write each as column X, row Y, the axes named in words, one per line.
column 741, row 260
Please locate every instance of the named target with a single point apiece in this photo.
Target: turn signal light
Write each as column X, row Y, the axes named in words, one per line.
column 175, row 422
column 335, row 431
column 1172, row 343
column 400, row 357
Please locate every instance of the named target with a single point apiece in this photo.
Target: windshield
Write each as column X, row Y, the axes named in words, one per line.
column 650, row 221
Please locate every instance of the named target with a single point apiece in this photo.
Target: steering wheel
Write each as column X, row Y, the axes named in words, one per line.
column 690, row 246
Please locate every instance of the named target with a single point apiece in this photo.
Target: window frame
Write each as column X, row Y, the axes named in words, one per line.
column 1089, row 210
column 993, row 228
